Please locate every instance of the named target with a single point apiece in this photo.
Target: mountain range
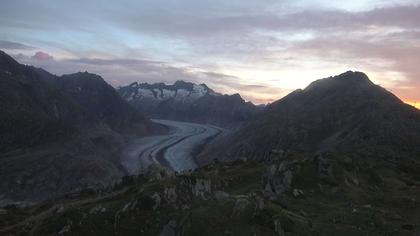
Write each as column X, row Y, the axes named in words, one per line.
column 339, row 157
column 185, row 101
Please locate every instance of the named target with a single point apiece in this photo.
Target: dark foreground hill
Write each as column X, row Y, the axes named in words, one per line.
column 346, row 114
column 293, row 194
column 60, row 133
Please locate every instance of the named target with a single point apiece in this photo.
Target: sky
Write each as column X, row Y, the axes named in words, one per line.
column 262, row 49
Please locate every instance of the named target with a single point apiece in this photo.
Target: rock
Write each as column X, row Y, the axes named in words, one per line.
column 169, row 229
column 184, row 224
column 133, row 205
column 256, row 200
column 325, row 170
column 408, row 227
column 66, row 229
column 303, row 213
column 297, row 192
column 241, row 205
column 259, row 202
column 126, row 207
column 201, row 188
column 278, row 152
column 156, row 198
column 170, row 195
column 269, row 193
column 277, row 180
column 278, row 228
column 97, row 209
column 60, row 209
column 157, row 172
column 220, row 195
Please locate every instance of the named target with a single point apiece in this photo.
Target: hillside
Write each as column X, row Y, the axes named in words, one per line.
column 60, row 133
column 103, row 102
column 345, row 114
column 293, row 194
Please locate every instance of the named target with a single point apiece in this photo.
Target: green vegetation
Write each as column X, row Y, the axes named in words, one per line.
column 326, row 195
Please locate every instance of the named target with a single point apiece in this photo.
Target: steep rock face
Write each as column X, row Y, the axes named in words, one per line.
column 345, row 113
column 60, row 133
column 33, row 112
column 188, row 102
column 103, row 103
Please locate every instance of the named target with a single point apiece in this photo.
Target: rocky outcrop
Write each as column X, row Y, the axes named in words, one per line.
column 201, row 188
column 169, row 229
column 156, row 172
column 226, row 199
column 277, row 180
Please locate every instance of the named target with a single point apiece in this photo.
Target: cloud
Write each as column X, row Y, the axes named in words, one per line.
column 14, row 45
column 252, row 47
column 120, row 72
column 104, row 62
column 230, row 23
column 42, row 56
column 392, row 58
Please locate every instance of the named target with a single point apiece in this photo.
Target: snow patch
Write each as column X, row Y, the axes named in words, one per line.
column 158, row 94
column 145, row 93
column 130, row 97
column 181, row 94
column 198, row 91
column 166, row 93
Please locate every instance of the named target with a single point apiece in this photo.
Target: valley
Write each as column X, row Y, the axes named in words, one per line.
column 78, row 157
column 174, row 150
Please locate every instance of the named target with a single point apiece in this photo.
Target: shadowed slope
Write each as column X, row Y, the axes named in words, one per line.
column 60, row 133
column 345, row 113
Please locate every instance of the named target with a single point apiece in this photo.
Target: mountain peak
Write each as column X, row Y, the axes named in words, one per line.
column 8, row 64
column 4, row 55
column 183, row 84
column 354, row 73
column 354, row 76
column 83, row 78
column 83, row 75
column 346, row 80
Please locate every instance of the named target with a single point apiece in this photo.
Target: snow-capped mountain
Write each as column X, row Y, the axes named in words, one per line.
column 187, row 102
column 180, row 91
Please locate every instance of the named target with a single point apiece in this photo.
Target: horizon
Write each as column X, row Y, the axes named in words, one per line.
column 414, row 104
column 263, row 51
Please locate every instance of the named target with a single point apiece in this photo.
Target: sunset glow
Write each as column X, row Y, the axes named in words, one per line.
column 260, row 49
column 414, row 104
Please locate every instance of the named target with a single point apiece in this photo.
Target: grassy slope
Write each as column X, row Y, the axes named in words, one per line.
column 355, row 198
